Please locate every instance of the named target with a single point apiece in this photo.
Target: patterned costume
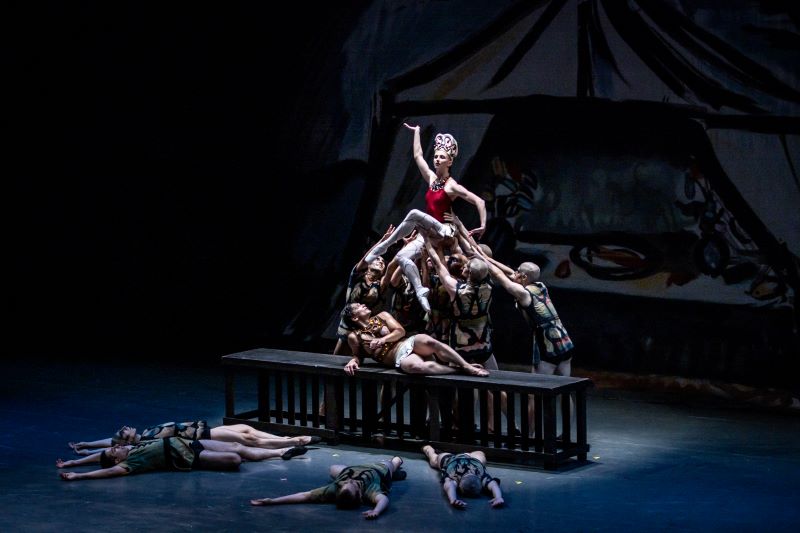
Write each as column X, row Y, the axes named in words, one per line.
column 406, row 309
column 187, row 430
column 441, row 311
column 454, row 466
column 359, row 290
column 551, row 343
column 173, row 453
column 374, row 479
column 471, row 327
column 373, row 330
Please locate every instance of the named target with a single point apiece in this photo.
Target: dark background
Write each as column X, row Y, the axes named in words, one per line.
column 169, row 190
column 158, row 173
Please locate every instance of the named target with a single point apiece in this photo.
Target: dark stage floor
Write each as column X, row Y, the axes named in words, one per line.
column 657, row 463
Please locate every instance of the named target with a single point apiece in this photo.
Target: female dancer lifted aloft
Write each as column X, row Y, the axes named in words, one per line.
column 442, row 191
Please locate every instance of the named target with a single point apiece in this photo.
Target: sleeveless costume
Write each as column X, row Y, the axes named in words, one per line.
column 551, row 342
column 173, row 453
column 359, row 290
column 437, row 201
column 373, row 479
column 454, row 466
column 186, row 430
column 471, row 327
column 406, row 309
column 373, row 331
column 441, row 310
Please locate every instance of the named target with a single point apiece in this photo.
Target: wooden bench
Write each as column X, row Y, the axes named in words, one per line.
column 382, row 407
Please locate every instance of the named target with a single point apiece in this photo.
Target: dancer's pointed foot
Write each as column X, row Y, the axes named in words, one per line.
column 294, row 451
column 422, row 297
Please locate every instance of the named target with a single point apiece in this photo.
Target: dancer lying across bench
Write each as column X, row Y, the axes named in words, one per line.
column 383, row 339
column 351, row 485
column 177, row 454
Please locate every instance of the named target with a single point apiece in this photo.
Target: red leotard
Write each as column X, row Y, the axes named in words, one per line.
column 437, row 203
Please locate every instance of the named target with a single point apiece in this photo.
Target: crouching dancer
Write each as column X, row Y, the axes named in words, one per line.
column 464, row 474
column 177, row 454
column 351, row 485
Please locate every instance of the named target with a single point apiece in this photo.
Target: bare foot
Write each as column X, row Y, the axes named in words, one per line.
column 476, row 370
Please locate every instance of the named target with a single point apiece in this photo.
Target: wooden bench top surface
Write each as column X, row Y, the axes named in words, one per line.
column 327, row 364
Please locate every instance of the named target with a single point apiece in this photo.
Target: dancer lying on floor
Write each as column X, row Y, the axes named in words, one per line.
column 464, row 474
column 177, row 454
column 241, row 433
column 383, row 339
column 352, row 485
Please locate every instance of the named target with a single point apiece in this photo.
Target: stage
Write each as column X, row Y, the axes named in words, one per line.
column 658, row 462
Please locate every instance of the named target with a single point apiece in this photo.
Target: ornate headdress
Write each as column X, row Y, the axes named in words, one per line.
column 447, row 143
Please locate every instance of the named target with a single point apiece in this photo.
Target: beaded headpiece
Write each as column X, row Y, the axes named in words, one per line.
column 446, row 143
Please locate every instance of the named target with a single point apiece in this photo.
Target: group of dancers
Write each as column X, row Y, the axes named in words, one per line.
column 438, row 322
column 182, row 447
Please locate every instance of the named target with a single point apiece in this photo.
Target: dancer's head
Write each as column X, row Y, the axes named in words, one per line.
column 455, row 264
column 376, row 268
column 111, row 456
column 348, row 495
column 353, row 313
column 445, row 150
column 526, row 273
column 470, row 485
column 475, row 271
column 125, row 435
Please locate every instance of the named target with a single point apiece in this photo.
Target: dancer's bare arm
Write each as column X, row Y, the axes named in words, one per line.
column 297, row 497
column 419, row 158
column 362, row 263
column 497, row 495
column 381, row 503
column 89, row 459
column 449, row 282
column 114, row 471
column 80, row 447
column 520, row 293
column 452, row 188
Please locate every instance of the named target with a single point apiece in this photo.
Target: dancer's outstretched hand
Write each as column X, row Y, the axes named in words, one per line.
column 409, row 126
column 459, row 504
column 388, row 233
column 371, row 514
column 497, row 502
column 477, row 232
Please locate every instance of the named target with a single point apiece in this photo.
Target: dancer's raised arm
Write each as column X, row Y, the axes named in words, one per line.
column 427, row 174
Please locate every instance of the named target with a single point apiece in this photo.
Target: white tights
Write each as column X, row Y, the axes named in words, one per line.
column 412, row 251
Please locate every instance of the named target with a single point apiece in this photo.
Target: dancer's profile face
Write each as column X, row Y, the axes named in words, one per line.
column 360, row 311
